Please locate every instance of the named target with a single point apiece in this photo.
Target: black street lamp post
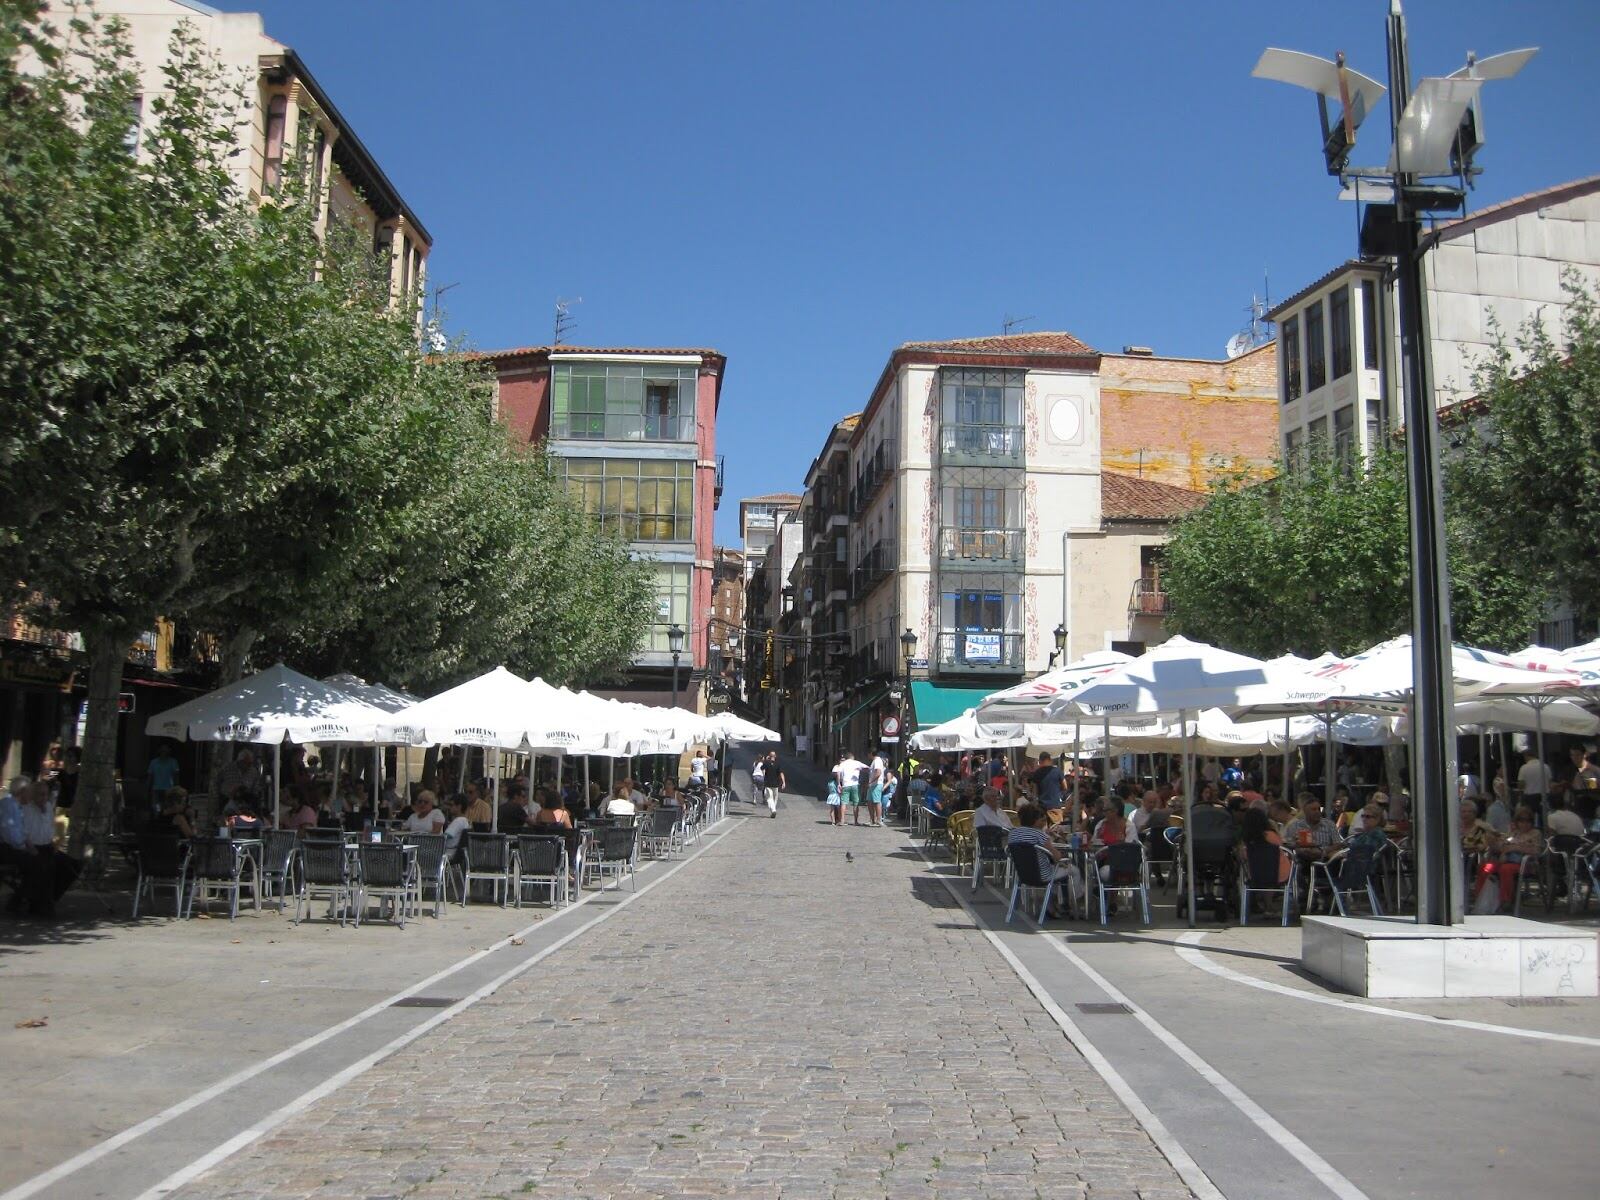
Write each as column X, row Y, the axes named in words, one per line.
column 675, row 636
column 908, row 651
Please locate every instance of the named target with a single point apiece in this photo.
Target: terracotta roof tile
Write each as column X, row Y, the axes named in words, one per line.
column 527, row 351
column 1009, row 343
column 1128, row 498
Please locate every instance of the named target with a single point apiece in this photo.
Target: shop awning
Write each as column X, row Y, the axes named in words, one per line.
column 936, row 703
column 867, row 703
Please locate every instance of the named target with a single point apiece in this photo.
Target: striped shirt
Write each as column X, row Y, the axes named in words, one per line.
column 1026, row 835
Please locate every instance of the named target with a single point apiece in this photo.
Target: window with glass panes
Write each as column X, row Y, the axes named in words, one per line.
column 1291, row 358
column 1294, row 443
column 1316, row 348
column 642, row 499
column 1369, row 324
column 1344, row 436
column 1339, row 331
column 972, row 397
column 673, row 581
column 983, row 603
column 638, row 402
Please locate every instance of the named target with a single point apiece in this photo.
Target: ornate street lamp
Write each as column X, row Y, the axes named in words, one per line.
column 675, row 636
column 1061, row 646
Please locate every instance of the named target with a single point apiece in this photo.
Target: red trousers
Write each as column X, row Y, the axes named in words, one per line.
column 1507, row 871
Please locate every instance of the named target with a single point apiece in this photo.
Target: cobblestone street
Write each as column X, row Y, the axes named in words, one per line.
column 774, row 1021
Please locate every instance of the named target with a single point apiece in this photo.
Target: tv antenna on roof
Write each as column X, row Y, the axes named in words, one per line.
column 564, row 318
column 1257, row 329
column 1009, row 324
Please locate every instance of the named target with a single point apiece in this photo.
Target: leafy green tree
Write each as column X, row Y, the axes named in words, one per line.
column 1317, row 559
column 1526, row 477
column 121, row 278
column 209, row 410
column 1312, row 560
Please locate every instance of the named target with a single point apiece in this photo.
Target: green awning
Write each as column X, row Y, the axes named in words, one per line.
column 936, row 703
column 867, row 703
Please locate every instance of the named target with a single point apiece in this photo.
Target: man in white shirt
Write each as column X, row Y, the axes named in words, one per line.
column 1534, row 778
column 621, row 804
column 425, row 816
column 875, row 776
column 848, row 775
column 697, row 767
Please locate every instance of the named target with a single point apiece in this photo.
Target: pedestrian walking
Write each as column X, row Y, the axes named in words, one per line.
column 772, row 782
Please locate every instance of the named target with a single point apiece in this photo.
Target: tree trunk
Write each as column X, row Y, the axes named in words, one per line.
column 108, row 651
column 230, row 670
column 234, row 652
column 1394, row 763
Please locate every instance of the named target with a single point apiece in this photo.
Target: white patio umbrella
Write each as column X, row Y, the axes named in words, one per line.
column 964, row 733
column 1178, row 677
column 736, row 729
column 1025, row 703
column 269, row 708
column 380, row 697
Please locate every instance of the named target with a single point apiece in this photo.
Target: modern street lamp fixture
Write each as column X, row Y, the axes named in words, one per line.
column 1061, row 646
column 1436, row 129
column 675, row 636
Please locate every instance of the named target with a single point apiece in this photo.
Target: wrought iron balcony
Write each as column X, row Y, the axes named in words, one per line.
column 981, row 445
column 968, row 650
column 1149, row 599
column 876, row 565
column 980, row 547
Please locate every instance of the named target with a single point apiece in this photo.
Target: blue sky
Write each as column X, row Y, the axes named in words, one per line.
column 805, row 186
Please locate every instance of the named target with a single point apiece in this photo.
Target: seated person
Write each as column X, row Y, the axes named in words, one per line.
column 1112, row 826
column 457, row 826
column 1029, row 831
column 474, row 807
column 622, row 803
column 1475, row 832
column 244, row 815
column 175, row 816
column 989, row 811
column 554, row 813
column 1280, row 812
column 1311, row 835
column 1562, row 820
column 299, row 815
column 668, row 793
column 425, row 817
column 1502, row 857
column 513, row 810
column 1257, row 831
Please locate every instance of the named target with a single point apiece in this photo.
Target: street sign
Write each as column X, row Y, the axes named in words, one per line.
column 890, row 741
column 125, row 702
column 916, row 664
column 891, row 727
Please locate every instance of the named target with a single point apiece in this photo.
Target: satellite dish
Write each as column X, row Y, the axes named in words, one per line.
column 1240, row 343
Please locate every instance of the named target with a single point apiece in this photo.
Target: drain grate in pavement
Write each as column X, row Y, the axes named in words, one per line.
column 1104, row 1009
column 1539, row 1002
column 423, row 1002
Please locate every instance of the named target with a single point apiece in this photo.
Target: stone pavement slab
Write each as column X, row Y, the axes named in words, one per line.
column 774, row 1021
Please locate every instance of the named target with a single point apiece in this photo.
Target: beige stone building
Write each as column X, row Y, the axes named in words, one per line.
column 993, row 491
column 283, row 101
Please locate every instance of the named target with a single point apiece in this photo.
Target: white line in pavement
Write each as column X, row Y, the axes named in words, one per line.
column 356, row 1069
column 1319, row 1167
column 35, row 1185
column 1188, row 1170
column 1189, row 950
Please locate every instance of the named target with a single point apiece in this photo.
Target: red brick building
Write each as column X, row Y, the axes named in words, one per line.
column 632, row 432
